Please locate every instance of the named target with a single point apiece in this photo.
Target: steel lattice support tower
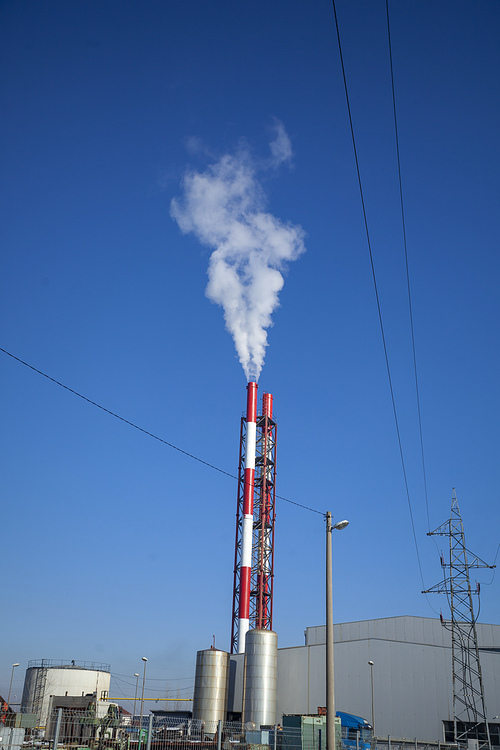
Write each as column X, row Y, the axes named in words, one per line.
column 468, row 692
column 261, row 595
column 255, row 521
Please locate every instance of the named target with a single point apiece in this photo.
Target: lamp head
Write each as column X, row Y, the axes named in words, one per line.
column 341, row 525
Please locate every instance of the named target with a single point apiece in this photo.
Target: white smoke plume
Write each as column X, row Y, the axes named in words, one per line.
column 224, row 207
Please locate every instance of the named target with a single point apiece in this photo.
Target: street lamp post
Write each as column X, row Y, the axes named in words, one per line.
column 136, row 675
column 373, row 713
column 11, row 678
column 144, row 659
column 330, row 690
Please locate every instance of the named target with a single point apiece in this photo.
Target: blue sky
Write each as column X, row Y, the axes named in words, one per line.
column 116, row 546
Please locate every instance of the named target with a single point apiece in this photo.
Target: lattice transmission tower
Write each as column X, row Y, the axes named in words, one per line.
column 469, row 711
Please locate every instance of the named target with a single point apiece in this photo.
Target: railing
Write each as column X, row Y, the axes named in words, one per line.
column 398, row 743
column 69, row 664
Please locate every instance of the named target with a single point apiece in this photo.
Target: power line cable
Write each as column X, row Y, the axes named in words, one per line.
column 124, row 682
column 151, row 679
column 488, row 583
column 376, row 289
column 146, row 432
column 408, row 285
column 129, row 700
column 147, row 689
column 403, row 222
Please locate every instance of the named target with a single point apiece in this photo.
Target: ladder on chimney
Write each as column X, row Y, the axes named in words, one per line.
column 39, row 690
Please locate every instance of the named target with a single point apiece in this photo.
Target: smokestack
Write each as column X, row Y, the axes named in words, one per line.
column 263, row 564
column 267, row 405
column 247, row 520
column 255, row 518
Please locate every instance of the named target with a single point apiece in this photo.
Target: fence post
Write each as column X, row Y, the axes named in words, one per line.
column 150, row 731
column 275, row 738
column 389, row 742
column 57, row 729
column 219, row 735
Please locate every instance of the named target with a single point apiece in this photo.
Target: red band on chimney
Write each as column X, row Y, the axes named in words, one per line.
column 267, row 405
column 252, row 402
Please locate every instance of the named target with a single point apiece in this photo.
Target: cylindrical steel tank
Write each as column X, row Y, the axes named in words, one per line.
column 49, row 677
column 261, row 677
column 211, row 687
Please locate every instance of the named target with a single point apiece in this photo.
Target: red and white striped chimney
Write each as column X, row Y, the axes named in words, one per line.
column 247, row 520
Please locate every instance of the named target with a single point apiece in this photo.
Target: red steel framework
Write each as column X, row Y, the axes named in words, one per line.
column 264, row 497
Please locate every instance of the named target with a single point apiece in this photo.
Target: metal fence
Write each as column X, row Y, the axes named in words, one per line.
column 81, row 729
column 109, row 729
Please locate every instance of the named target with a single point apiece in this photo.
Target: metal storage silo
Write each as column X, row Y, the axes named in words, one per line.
column 261, row 677
column 211, row 687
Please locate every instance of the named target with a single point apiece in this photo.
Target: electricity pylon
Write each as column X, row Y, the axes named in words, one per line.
column 469, row 711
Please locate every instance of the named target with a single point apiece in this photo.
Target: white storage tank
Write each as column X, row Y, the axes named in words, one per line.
column 211, row 687
column 47, row 677
column 261, row 678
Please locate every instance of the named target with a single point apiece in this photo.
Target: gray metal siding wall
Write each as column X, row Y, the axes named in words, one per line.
column 411, row 672
column 293, row 695
column 412, row 685
column 236, row 674
column 404, row 628
column 489, row 655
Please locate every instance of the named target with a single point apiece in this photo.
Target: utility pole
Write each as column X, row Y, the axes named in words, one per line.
column 144, row 659
column 330, row 689
column 468, row 692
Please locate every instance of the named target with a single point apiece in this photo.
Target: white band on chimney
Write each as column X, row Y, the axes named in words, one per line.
column 250, row 448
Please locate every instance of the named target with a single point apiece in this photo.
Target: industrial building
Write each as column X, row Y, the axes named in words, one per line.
column 395, row 672
column 392, row 674
column 412, row 680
